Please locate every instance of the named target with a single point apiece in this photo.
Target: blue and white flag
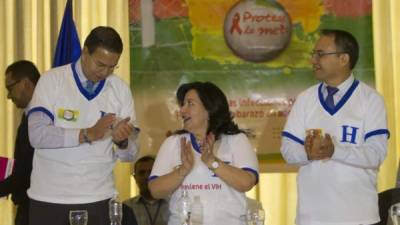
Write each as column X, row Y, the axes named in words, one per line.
column 68, row 47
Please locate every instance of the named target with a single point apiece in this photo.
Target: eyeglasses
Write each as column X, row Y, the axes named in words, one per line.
column 11, row 86
column 320, row 54
column 103, row 66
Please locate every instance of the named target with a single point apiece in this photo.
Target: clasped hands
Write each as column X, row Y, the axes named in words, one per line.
column 120, row 130
column 319, row 147
column 187, row 157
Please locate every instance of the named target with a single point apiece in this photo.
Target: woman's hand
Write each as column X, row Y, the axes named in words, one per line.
column 239, row 179
column 187, row 157
column 207, row 147
column 165, row 185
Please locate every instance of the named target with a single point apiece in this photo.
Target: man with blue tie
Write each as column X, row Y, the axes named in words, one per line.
column 80, row 122
column 337, row 133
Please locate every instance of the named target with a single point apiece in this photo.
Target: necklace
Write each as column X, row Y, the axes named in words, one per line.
column 199, row 140
column 199, row 143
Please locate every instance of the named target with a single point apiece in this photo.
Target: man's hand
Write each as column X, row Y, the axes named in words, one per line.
column 122, row 130
column 327, row 148
column 318, row 147
column 308, row 143
column 101, row 127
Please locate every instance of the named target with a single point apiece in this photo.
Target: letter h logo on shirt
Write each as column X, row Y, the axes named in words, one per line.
column 349, row 134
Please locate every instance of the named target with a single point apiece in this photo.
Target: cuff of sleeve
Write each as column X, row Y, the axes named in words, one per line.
column 122, row 144
column 253, row 171
column 71, row 137
column 129, row 154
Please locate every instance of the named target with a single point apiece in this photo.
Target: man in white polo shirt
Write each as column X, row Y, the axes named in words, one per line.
column 79, row 113
column 337, row 133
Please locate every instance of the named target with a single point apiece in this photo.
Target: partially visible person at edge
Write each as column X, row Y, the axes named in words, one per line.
column 210, row 158
column 81, row 120
column 337, row 133
column 21, row 79
column 144, row 209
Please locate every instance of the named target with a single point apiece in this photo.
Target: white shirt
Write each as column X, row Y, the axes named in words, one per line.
column 222, row 204
column 49, row 136
column 65, row 171
column 342, row 190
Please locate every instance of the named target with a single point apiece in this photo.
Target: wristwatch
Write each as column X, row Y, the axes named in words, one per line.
column 214, row 165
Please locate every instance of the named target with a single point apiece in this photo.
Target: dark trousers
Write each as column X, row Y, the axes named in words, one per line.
column 44, row 213
column 22, row 215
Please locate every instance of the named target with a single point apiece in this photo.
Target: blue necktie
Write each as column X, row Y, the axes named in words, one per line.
column 329, row 99
column 89, row 86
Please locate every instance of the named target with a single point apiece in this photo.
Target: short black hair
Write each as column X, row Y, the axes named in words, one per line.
column 215, row 102
column 344, row 42
column 143, row 159
column 104, row 37
column 23, row 69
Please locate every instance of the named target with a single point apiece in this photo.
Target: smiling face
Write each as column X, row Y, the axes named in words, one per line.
column 100, row 64
column 194, row 114
column 329, row 68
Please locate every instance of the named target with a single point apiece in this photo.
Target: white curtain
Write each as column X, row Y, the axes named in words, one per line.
column 29, row 31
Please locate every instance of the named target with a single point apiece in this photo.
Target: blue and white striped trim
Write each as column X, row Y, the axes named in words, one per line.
column 292, row 137
column 152, row 178
column 253, row 171
column 342, row 101
column 194, row 143
column 41, row 109
column 377, row 132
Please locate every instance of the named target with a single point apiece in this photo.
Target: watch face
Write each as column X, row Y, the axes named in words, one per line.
column 215, row 165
